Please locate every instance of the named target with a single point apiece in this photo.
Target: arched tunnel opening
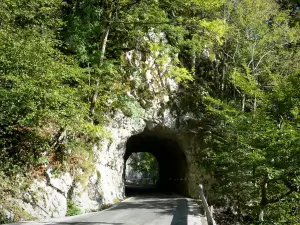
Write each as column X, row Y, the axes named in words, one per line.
column 172, row 164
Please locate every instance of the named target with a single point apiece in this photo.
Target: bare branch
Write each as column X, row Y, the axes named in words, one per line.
column 261, row 58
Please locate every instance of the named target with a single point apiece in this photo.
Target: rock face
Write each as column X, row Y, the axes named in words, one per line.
column 111, row 156
column 44, row 201
column 49, row 198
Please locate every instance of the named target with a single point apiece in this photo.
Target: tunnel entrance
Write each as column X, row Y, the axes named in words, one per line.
column 169, row 155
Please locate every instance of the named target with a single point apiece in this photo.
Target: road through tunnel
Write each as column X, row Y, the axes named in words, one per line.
column 169, row 155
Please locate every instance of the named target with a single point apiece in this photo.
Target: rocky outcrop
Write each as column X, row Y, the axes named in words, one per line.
column 49, row 198
column 43, row 201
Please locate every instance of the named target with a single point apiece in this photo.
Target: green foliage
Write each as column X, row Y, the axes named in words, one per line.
column 67, row 66
column 41, row 89
column 146, row 164
column 72, row 209
column 43, row 98
column 115, row 200
column 244, row 104
column 11, row 188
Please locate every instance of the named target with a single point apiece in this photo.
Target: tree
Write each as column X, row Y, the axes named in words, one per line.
column 242, row 104
column 99, row 34
column 67, row 66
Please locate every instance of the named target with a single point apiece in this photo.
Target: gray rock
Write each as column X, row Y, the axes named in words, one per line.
column 48, row 198
column 43, row 201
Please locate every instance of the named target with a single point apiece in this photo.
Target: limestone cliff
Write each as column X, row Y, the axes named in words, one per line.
column 152, row 122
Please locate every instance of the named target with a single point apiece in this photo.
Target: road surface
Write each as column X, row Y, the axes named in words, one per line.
column 138, row 210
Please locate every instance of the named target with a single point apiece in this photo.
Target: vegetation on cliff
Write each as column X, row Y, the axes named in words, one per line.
column 63, row 74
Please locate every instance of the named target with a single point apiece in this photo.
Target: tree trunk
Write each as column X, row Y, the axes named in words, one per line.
column 261, row 215
column 243, row 102
column 264, row 200
column 194, row 63
column 102, row 54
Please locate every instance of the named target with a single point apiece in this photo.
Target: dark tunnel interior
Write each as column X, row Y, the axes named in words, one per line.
column 170, row 157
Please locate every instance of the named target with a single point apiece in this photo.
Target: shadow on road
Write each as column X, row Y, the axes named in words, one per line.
column 165, row 205
column 150, row 197
column 145, row 202
column 181, row 213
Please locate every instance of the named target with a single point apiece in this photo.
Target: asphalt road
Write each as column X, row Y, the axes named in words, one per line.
column 145, row 209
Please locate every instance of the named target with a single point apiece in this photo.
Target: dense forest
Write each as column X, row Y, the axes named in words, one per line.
column 63, row 75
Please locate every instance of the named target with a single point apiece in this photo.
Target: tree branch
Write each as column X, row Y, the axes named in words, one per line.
column 264, row 55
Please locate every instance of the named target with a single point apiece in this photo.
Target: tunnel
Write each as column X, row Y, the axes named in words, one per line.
column 169, row 155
